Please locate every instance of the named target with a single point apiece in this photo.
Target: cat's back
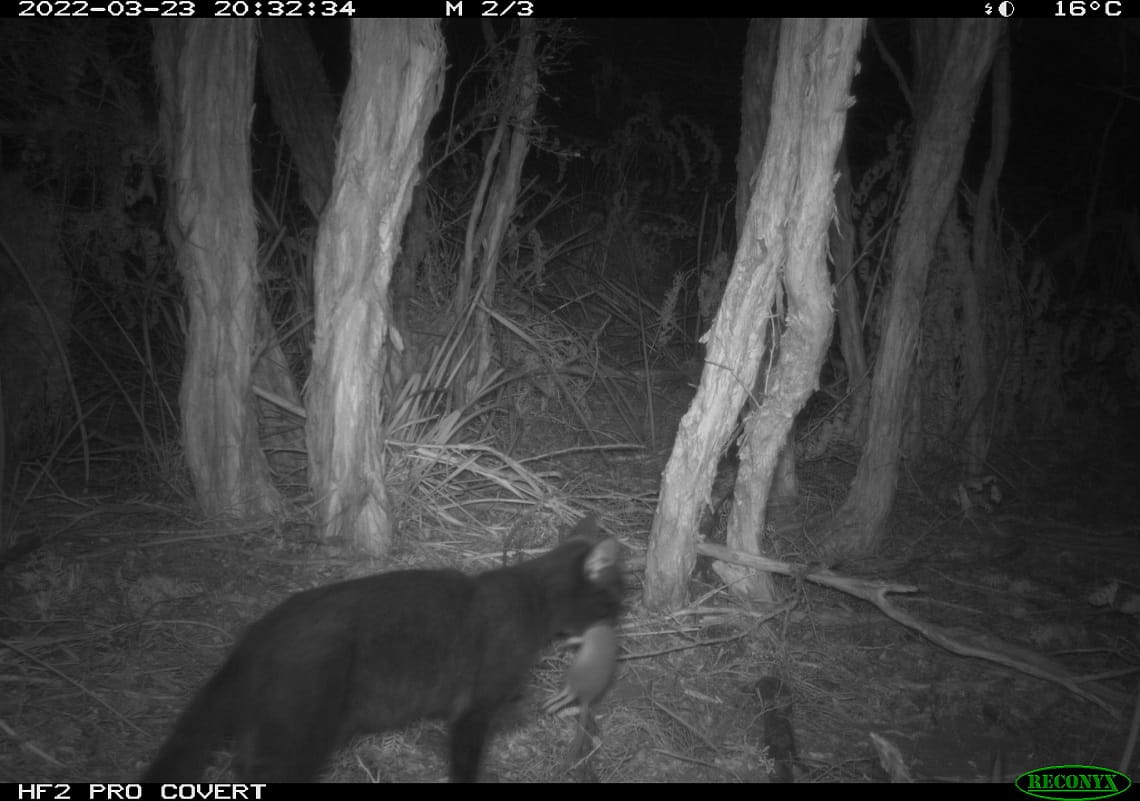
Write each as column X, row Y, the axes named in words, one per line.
column 398, row 606
column 366, row 654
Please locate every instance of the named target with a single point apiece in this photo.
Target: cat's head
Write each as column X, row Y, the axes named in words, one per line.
column 588, row 587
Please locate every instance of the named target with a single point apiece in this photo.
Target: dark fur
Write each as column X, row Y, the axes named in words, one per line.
column 376, row 653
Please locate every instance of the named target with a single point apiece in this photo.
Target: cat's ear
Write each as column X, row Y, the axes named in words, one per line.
column 601, row 558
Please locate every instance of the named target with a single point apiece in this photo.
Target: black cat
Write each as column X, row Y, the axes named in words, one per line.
column 372, row 654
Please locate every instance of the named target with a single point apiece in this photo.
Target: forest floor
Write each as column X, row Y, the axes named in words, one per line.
column 130, row 603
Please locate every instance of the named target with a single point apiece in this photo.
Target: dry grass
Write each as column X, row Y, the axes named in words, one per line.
column 111, row 626
column 130, row 603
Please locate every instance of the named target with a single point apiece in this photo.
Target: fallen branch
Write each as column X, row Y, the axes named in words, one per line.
column 963, row 642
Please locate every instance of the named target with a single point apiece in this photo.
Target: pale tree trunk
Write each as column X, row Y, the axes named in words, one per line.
column 986, row 262
column 785, row 231
column 495, row 203
column 397, row 75
column 205, row 72
column 302, row 106
column 953, row 58
column 760, row 50
column 756, row 106
column 849, row 320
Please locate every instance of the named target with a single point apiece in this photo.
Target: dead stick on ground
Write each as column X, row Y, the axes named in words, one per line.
column 71, row 681
column 30, row 746
column 875, row 592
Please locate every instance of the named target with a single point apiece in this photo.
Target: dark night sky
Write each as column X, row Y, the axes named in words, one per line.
column 1076, row 96
column 1076, row 102
column 1076, row 93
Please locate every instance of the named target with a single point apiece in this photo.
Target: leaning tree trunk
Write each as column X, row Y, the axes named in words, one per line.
column 760, row 51
column 985, row 264
column 495, row 203
column 205, row 72
column 397, row 74
column 759, row 69
column 953, row 58
column 303, row 107
column 849, row 320
column 786, row 230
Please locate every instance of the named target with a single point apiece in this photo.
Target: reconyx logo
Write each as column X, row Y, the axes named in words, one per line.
column 1073, row 783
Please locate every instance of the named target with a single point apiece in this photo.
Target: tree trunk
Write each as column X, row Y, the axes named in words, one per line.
column 760, row 51
column 303, row 108
column 205, row 71
column 759, row 68
column 985, row 262
column 495, row 203
column 847, row 310
column 397, row 73
column 785, row 230
column 952, row 59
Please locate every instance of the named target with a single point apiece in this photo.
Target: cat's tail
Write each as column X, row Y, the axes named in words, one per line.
column 203, row 725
